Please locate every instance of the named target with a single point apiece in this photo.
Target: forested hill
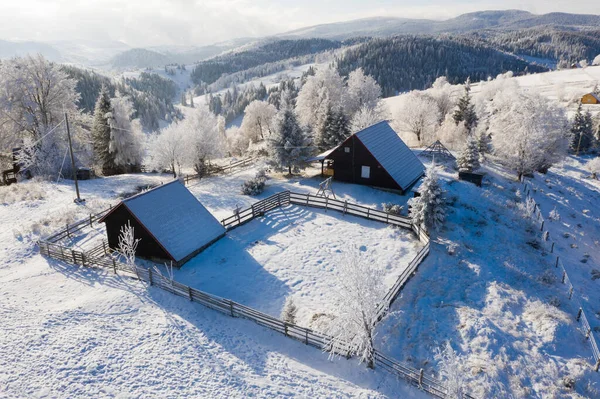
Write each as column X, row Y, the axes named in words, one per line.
column 151, row 95
column 210, row 70
column 549, row 43
column 404, row 63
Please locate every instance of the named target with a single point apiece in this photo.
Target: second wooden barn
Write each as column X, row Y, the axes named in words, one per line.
column 172, row 225
column 375, row 156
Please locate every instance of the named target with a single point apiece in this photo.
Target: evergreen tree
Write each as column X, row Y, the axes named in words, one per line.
column 288, row 148
column 582, row 131
column 466, row 109
column 183, row 99
column 468, row 160
column 483, row 144
column 429, row 209
column 101, row 134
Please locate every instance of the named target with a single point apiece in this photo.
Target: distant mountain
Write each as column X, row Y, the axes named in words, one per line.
column 388, row 26
column 140, row 58
column 10, row 49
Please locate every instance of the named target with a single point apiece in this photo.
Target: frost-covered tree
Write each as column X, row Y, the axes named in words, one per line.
column 167, row 150
column 465, row 111
column 128, row 244
column 325, row 85
column 468, row 159
column 483, row 143
column 529, row 132
column 366, row 117
column 417, row 114
column 582, row 131
column 104, row 160
column 126, row 145
column 429, row 208
column 258, row 120
column 443, row 94
column 452, row 135
column 289, row 143
column 450, row 370
column 34, row 96
column 358, row 300
column 288, row 314
column 237, row 141
column 363, row 91
column 200, row 132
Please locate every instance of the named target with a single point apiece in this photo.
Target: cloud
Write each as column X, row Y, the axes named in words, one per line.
column 198, row 22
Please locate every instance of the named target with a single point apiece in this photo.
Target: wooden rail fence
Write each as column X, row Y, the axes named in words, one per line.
column 98, row 257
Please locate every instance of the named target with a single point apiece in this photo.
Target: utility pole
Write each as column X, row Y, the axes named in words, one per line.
column 78, row 200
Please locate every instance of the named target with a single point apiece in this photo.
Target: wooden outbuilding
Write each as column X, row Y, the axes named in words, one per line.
column 172, row 225
column 375, row 156
column 590, row 98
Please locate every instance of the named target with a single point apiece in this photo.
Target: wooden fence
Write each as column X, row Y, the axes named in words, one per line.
column 220, row 169
column 548, row 245
column 97, row 257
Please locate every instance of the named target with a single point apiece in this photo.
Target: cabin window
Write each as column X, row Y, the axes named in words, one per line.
column 365, row 173
column 347, row 149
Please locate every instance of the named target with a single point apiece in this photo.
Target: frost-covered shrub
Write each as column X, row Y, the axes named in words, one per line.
column 391, row 208
column 593, row 167
column 554, row 215
column 288, row 314
column 450, row 369
column 256, row 185
column 28, row 191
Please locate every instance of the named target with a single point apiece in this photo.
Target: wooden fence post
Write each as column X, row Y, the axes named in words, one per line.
column 150, row 275
column 557, row 261
column 114, row 266
column 73, row 255
column 579, row 313
column 68, row 233
column 368, row 213
column 597, row 365
column 231, row 308
column 421, row 372
column 570, row 292
column 91, row 220
column 345, row 206
column 307, row 199
column 62, row 252
column 285, row 328
column 542, row 228
column 190, row 293
column 552, row 249
column 306, row 331
column 104, row 247
column 563, row 276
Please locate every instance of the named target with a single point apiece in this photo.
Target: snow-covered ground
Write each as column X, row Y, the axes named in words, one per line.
column 71, row 332
column 490, row 290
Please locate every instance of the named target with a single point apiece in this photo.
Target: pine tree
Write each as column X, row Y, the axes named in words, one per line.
column 101, row 133
column 582, row 131
column 468, row 160
column 183, row 99
column 288, row 148
column 428, row 209
column 466, row 110
column 192, row 100
column 483, row 144
column 289, row 311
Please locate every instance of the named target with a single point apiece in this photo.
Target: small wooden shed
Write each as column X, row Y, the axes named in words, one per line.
column 375, row 156
column 172, row 225
column 590, row 98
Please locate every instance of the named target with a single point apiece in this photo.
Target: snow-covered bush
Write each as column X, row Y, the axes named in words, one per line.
column 358, row 297
column 593, row 167
column 392, row 209
column 554, row 215
column 418, row 114
column 468, row 160
column 450, row 370
column 26, row 191
column 255, row 185
column 429, row 208
column 288, row 314
column 596, row 60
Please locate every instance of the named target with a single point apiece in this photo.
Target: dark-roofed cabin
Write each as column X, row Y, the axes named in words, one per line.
column 172, row 225
column 375, row 156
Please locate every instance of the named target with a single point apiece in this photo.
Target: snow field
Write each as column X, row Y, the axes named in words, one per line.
column 294, row 251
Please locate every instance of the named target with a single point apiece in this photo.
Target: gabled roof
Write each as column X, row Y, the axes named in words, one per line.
column 175, row 218
column 392, row 153
column 596, row 96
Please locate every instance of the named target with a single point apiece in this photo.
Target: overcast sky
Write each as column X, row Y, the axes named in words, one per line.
column 190, row 22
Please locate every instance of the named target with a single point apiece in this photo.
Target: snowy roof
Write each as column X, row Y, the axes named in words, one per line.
column 321, row 156
column 178, row 221
column 392, row 153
